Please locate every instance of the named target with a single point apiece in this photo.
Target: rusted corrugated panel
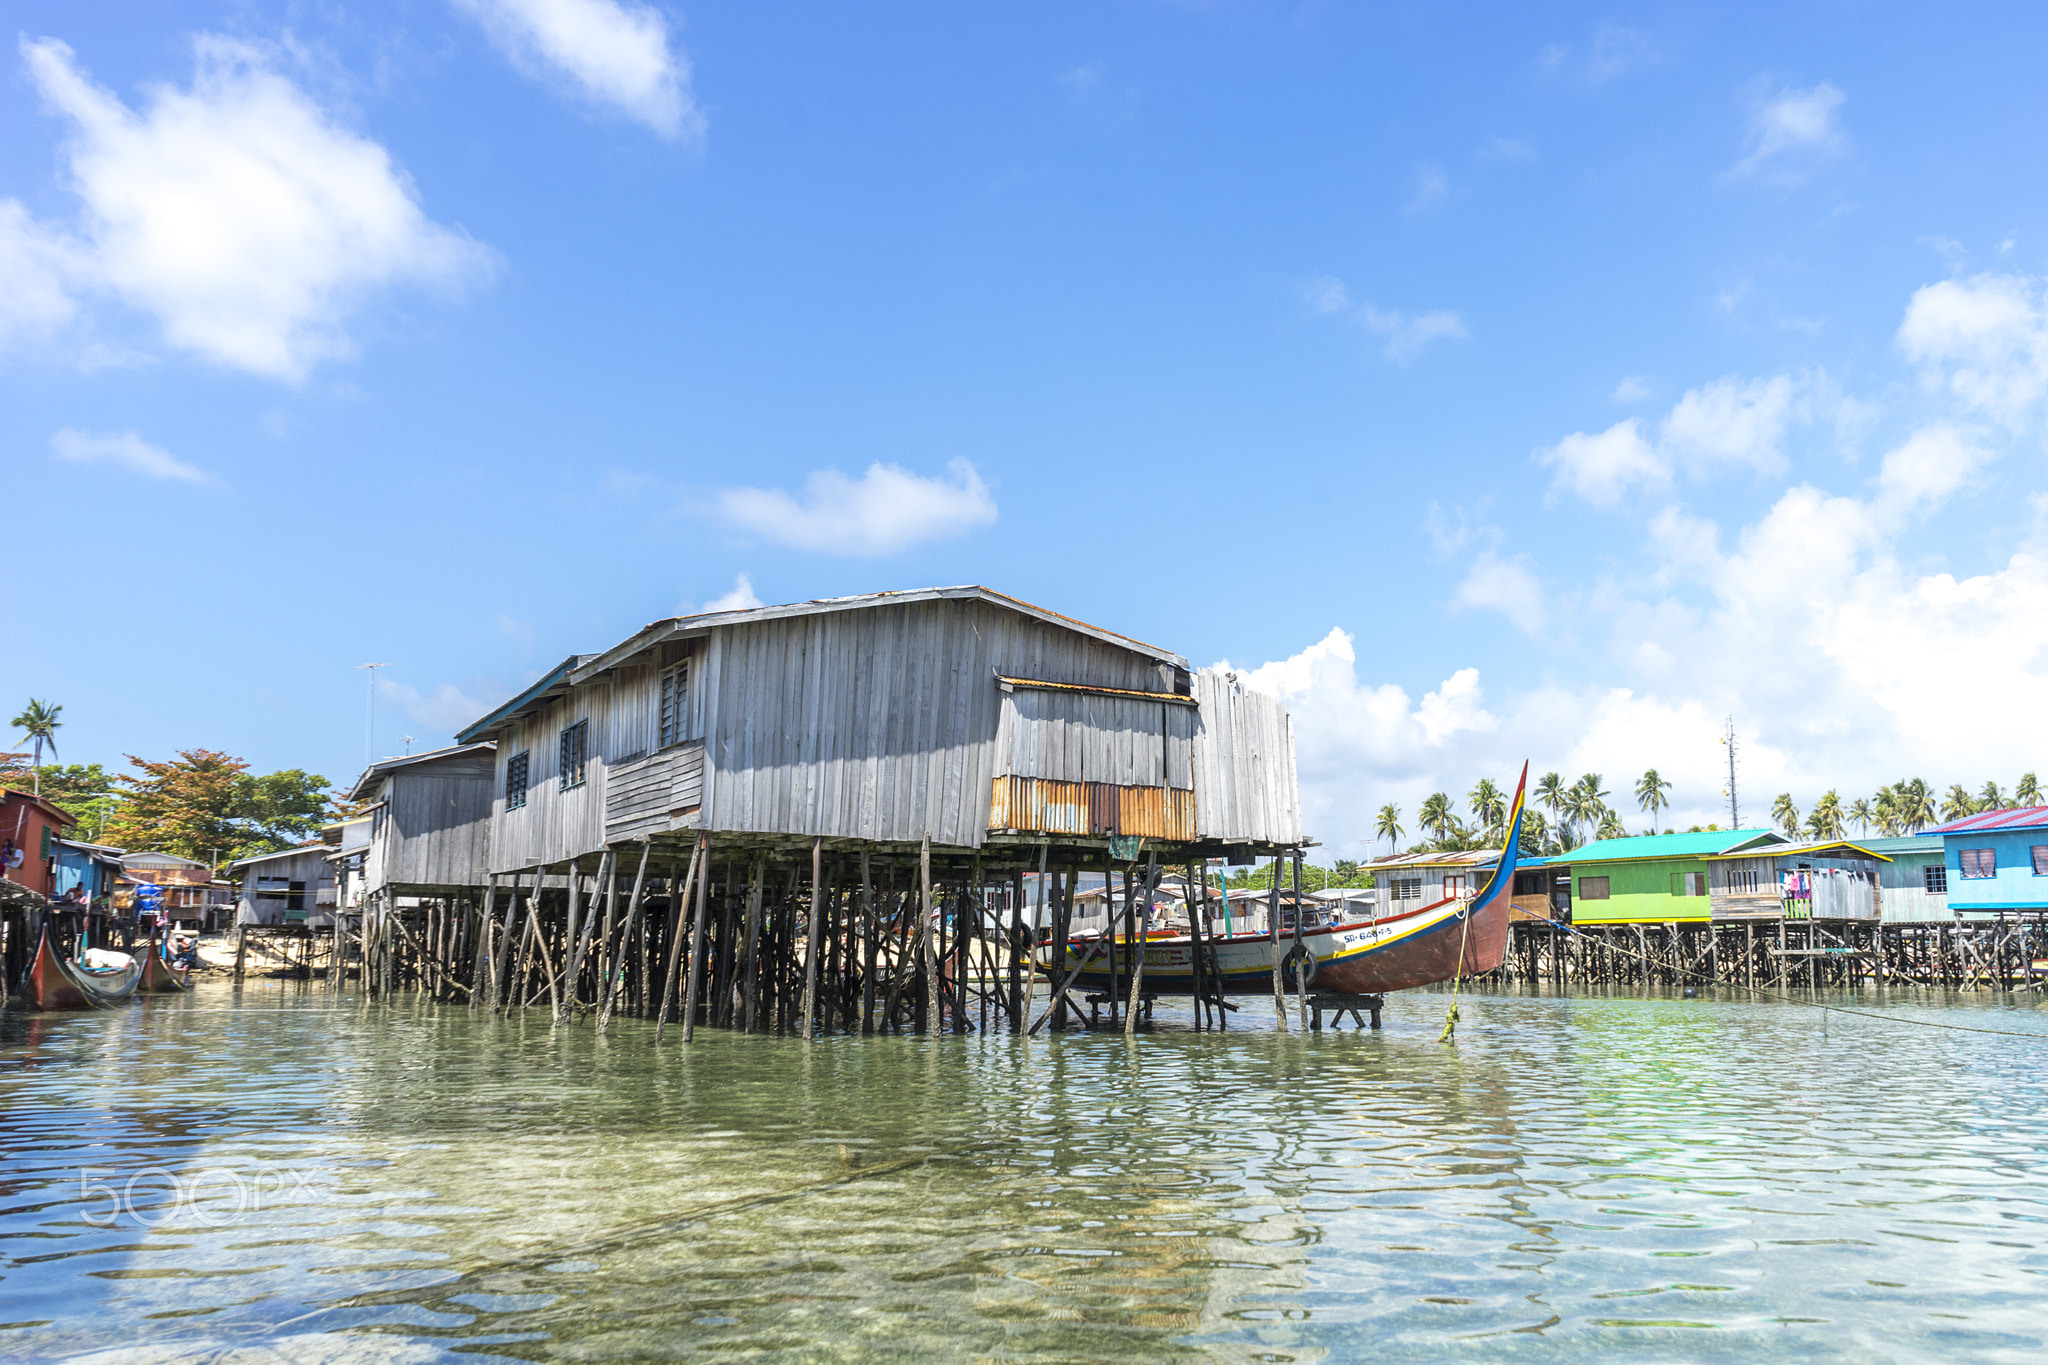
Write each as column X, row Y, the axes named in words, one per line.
column 1043, row 806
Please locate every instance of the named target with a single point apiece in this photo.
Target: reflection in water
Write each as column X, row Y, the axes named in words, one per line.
column 303, row 1177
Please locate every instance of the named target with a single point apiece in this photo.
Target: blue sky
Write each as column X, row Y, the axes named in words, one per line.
column 1491, row 383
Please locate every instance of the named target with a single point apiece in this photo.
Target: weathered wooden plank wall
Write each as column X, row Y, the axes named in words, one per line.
column 1244, row 763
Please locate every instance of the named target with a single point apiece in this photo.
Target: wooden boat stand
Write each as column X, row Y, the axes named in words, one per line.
column 1357, row 1006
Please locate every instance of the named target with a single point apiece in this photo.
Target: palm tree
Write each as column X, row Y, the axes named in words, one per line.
column 1390, row 825
column 38, row 724
column 1991, row 798
column 1487, row 806
column 1916, row 804
column 1535, row 833
column 1650, row 790
column 1826, row 820
column 1957, row 803
column 2028, row 792
column 1786, row 815
column 1436, row 817
column 1862, row 814
column 1610, row 826
column 1550, row 793
column 1583, row 802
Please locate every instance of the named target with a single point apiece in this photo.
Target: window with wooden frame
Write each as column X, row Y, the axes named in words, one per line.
column 1593, row 888
column 1935, row 878
column 575, row 752
column 1688, row 883
column 1979, row 863
column 675, row 704
column 515, row 779
column 2040, row 852
column 1454, row 887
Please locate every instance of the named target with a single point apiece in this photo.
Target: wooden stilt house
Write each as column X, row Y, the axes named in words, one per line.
column 885, row 769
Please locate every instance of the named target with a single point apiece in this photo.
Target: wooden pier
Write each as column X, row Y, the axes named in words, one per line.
column 1982, row 952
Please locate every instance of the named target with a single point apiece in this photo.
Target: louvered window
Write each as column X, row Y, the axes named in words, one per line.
column 675, row 703
column 515, row 780
column 575, row 750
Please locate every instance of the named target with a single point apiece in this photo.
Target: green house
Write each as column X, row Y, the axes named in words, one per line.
column 1651, row 878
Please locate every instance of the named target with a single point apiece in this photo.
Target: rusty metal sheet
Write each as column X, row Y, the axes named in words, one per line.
column 1043, row 806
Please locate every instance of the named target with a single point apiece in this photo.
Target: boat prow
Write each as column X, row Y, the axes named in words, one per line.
column 159, row 977
column 56, row 983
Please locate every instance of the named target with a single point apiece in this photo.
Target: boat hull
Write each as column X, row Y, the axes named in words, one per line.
column 1364, row 958
column 160, row 977
column 1455, row 937
column 57, row 984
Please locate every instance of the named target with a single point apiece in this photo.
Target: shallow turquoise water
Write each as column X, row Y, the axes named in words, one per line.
column 277, row 1173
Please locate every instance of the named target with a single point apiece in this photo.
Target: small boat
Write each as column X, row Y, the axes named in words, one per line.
column 159, row 977
column 59, row 983
column 1455, row 936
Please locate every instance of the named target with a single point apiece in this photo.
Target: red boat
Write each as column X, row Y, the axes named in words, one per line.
column 59, row 983
column 1365, row 957
column 159, row 977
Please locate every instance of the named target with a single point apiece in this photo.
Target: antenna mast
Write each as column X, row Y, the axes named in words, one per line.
column 1734, row 805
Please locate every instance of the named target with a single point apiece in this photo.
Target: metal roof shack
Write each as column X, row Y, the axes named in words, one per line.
column 430, row 821
column 1996, row 861
column 958, row 716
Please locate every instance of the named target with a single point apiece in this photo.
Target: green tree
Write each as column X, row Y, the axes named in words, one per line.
column 1825, row 821
column 1650, row 789
column 1488, row 807
column 1550, row 794
column 1535, row 833
column 1611, row 826
column 1860, row 811
column 38, row 724
column 1389, row 827
column 1437, row 816
column 86, row 790
column 1585, row 803
column 204, row 804
column 1957, row 803
column 1916, row 804
column 2028, row 792
column 1347, row 871
column 1992, row 798
column 1786, row 815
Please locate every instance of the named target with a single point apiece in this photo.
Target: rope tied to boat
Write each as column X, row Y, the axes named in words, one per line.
column 1458, row 978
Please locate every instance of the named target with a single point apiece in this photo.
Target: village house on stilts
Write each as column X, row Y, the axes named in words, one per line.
column 822, row 816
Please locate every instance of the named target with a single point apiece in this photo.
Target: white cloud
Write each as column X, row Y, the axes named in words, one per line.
column 237, row 214
column 1984, row 339
column 1789, row 129
column 1326, row 294
column 126, row 449
column 1508, row 586
column 446, row 709
column 1732, row 422
column 1407, row 334
column 1602, row 468
column 1431, row 187
column 609, row 53
column 886, row 510
column 34, row 302
column 1633, row 388
column 1613, row 51
column 741, row 597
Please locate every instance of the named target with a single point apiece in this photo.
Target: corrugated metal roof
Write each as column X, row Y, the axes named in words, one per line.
column 1471, row 857
column 2017, row 817
column 385, row 765
column 1902, row 843
column 1704, row 844
column 694, row 625
column 1810, row 848
column 553, row 678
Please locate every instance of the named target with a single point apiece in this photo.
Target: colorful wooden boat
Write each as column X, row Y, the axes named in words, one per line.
column 159, row 977
column 58, row 983
column 1364, row 957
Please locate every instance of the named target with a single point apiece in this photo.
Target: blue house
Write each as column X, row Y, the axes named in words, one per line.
column 1997, row 860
